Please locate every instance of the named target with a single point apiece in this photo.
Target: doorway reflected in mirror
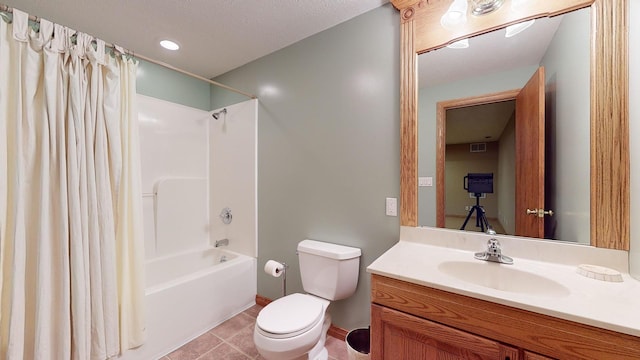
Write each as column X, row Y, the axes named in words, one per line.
column 562, row 45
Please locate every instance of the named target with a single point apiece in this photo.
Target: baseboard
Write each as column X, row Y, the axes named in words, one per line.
column 262, row 301
column 334, row 331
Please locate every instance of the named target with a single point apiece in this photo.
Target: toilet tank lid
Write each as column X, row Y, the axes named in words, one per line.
column 328, row 250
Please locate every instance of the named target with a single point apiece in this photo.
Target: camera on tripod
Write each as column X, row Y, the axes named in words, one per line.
column 478, row 184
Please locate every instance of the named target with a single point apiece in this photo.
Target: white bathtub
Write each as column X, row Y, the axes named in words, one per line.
column 190, row 293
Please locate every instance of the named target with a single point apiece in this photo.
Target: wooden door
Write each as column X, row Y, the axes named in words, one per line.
column 530, row 156
column 399, row 336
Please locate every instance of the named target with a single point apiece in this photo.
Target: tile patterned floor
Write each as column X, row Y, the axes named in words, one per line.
column 233, row 340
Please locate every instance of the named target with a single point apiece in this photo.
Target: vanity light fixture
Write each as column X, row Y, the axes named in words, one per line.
column 482, row 7
column 456, row 14
column 516, row 5
column 169, row 45
column 513, row 30
column 460, row 44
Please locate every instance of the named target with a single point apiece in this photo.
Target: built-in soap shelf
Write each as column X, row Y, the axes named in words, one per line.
column 599, row 273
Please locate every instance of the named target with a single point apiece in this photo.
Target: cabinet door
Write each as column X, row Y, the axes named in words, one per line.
column 399, row 336
column 533, row 356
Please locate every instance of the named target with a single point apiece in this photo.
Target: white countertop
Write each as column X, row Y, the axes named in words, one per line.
column 609, row 305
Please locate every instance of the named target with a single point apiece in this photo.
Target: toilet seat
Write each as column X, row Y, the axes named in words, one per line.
column 290, row 316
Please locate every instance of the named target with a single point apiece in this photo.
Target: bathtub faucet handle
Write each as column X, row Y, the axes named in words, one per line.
column 226, row 216
column 222, row 242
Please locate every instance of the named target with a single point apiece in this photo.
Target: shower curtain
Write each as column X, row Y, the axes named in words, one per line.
column 71, row 242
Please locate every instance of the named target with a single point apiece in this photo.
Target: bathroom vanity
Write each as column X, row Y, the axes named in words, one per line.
column 432, row 299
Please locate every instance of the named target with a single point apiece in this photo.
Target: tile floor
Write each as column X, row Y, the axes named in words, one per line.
column 233, row 340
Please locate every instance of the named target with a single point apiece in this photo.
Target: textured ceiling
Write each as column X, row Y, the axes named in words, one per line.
column 215, row 35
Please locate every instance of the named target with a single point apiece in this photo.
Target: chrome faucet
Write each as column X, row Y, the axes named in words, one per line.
column 222, row 242
column 494, row 252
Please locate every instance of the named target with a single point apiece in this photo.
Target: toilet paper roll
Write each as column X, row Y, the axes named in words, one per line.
column 273, row 268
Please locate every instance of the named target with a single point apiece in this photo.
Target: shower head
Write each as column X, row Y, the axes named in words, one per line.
column 216, row 115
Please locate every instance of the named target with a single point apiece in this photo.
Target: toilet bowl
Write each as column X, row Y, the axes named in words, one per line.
column 292, row 327
column 295, row 326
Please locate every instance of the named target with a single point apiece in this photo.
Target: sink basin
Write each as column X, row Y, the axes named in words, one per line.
column 503, row 277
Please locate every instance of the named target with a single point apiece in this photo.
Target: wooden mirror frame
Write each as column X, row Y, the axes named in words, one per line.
column 420, row 31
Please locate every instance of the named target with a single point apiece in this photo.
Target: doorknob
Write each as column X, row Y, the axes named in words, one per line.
column 540, row 212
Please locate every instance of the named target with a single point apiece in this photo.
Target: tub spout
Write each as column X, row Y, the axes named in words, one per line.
column 222, row 242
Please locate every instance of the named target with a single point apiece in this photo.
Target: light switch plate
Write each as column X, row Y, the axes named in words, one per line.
column 391, row 207
column 425, row 181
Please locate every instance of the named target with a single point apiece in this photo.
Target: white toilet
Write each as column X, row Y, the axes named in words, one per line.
column 295, row 326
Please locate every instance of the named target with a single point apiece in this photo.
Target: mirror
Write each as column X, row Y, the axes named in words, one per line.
column 422, row 31
column 472, row 104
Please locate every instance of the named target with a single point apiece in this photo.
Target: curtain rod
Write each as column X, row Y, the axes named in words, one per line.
column 6, row 8
column 251, row 96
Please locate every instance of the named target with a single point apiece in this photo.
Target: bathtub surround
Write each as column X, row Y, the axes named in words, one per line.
column 192, row 166
column 233, row 161
column 70, row 197
column 174, row 152
column 181, row 215
column 328, row 140
column 181, row 146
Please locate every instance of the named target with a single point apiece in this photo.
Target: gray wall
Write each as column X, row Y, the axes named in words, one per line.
column 161, row 83
column 567, row 129
column 506, row 177
column 328, row 147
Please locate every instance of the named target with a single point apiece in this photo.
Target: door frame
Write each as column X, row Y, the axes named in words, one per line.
column 441, row 120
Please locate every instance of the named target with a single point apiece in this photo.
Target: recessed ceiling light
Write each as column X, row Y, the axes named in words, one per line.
column 169, row 45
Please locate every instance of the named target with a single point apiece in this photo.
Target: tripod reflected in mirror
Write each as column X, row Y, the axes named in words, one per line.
column 478, row 184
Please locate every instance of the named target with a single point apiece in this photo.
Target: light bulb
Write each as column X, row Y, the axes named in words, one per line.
column 513, row 30
column 456, row 14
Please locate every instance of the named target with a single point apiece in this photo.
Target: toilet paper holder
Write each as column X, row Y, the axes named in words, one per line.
column 284, row 279
column 278, row 269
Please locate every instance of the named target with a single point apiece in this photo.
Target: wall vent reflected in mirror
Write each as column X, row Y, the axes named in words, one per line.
column 478, row 147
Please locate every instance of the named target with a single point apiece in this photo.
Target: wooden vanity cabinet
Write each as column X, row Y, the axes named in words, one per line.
column 414, row 322
column 533, row 356
column 402, row 336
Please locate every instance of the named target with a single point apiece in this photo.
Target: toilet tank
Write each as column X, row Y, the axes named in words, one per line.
column 329, row 271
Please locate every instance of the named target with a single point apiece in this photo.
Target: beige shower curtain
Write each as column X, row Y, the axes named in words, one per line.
column 71, row 242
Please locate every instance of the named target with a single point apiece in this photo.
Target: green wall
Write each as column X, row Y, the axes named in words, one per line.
column 328, row 147
column 161, row 83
